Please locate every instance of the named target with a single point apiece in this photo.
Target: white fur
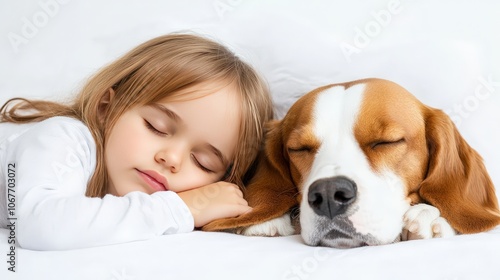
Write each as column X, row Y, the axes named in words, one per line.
column 335, row 114
column 423, row 221
column 281, row 226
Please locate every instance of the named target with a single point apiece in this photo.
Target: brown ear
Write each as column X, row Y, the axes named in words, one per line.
column 271, row 192
column 104, row 104
column 457, row 182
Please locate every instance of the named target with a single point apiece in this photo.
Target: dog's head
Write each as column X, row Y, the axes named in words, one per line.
column 361, row 153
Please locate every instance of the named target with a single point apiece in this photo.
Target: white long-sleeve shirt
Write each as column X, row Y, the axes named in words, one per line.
column 45, row 167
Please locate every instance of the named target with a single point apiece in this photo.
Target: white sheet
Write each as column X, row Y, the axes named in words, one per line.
column 445, row 52
column 202, row 255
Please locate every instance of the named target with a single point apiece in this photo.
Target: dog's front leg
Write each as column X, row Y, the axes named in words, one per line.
column 280, row 226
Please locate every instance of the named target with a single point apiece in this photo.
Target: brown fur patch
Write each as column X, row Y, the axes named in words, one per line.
column 390, row 130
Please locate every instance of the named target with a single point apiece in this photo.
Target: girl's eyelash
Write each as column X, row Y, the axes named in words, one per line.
column 153, row 129
column 201, row 166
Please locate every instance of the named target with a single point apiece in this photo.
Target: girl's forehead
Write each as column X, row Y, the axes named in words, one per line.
column 198, row 91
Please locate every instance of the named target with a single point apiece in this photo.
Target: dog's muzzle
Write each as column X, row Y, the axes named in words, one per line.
column 330, row 199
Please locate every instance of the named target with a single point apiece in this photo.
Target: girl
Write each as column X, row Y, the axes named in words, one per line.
column 155, row 143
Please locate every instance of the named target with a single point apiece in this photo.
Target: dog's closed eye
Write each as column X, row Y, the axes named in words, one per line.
column 385, row 143
column 300, row 149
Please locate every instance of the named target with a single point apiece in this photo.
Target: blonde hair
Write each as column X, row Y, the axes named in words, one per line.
column 164, row 66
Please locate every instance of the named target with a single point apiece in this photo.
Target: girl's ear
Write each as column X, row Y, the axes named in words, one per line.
column 457, row 182
column 106, row 100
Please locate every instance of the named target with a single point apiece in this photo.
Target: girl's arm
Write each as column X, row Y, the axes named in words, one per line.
column 54, row 161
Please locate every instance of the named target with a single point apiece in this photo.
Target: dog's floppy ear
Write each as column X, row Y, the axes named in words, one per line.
column 457, row 182
column 271, row 192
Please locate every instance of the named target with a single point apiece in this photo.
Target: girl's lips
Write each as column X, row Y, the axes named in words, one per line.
column 154, row 180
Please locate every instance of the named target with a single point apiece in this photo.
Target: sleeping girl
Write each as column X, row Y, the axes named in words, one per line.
column 155, row 143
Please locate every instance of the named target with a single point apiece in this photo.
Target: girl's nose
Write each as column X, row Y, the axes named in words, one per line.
column 171, row 158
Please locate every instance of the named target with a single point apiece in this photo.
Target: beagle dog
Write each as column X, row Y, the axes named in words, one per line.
column 366, row 163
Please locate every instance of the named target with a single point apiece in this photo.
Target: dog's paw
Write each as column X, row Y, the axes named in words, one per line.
column 281, row 226
column 423, row 221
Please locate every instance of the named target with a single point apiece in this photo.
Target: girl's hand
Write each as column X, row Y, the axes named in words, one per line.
column 215, row 201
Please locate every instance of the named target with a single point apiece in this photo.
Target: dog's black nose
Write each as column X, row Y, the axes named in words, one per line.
column 331, row 196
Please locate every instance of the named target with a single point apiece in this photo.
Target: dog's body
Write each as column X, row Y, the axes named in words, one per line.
column 364, row 161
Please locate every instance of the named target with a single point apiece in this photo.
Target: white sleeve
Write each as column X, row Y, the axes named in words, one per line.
column 54, row 162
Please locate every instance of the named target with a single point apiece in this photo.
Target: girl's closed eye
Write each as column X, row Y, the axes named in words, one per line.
column 200, row 165
column 154, row 129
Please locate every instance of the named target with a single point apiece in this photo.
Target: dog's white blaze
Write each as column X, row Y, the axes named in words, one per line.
column 334, row 116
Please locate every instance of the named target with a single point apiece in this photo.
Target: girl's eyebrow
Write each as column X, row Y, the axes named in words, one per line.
column 171, row 114
column 168, row 112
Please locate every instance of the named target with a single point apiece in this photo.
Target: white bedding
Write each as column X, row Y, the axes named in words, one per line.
column 206, row 255
column 445, row 52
